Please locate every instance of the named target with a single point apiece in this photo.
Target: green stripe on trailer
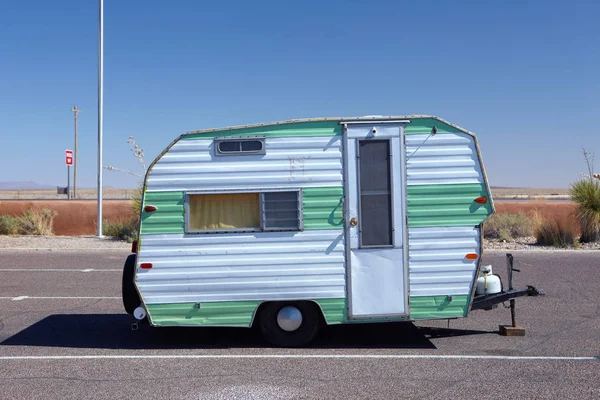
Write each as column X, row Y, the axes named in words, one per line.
column 334, row 310
column 233, row 313
column 447, row 205
column 169, row 214
column 433, row 307
column 229, row 313
column 322, row 208
column 314, row 128
column 420, row 126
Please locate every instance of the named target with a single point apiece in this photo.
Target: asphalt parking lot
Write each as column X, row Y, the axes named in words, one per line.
column 64, row 334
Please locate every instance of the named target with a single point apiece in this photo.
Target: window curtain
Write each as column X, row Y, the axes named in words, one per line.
column 224, row 211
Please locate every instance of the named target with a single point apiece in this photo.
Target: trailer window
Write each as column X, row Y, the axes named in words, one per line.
column 239, row 146
column 375, row 193
column 244, row 212
column 223, row 212
column 281, row 210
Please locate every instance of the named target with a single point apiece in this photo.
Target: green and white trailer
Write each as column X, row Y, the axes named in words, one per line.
column 290, row 225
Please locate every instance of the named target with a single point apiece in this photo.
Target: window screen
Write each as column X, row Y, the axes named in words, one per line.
column 375, row 193
column 281, row 210
column 229, row 211
column 239, row 146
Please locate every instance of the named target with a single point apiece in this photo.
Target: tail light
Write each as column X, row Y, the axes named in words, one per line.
column 146, row 265
column 134, row 246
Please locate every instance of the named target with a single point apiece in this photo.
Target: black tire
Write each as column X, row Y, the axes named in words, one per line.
column 131, row 299
column 272, row 333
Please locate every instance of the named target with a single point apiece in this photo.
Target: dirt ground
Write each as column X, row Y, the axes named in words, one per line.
column 75, row 217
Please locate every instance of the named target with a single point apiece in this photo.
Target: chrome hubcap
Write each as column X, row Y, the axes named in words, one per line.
column 289, row 318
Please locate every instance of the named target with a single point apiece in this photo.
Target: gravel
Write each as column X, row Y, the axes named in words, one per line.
column 62, row 243
column 529, row 243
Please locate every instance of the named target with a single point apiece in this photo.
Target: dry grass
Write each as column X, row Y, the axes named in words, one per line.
column 9, row 225
column 36, row 222
column 75, row 218
column 124, row 230
column 551, row 232
column 507, row 226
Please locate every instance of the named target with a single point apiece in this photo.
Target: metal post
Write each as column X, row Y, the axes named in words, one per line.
column 509, row 261
column 75, row 112
column 68, row 183
column 100, row 100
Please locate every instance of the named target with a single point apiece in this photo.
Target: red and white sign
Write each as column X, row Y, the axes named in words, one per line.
column 69, row 157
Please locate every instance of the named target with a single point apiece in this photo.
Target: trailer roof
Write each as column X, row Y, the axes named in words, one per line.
column 368, row 118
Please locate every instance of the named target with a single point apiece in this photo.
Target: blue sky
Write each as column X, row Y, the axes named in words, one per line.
column 524, row 76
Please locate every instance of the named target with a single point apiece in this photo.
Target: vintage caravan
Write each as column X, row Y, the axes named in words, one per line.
column 287, row 226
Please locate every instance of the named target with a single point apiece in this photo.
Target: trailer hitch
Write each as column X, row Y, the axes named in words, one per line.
column 490, row 301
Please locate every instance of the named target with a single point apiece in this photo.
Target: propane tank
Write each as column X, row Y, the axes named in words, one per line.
column 488, row 283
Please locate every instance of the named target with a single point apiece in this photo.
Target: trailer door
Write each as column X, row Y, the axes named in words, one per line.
column 375, row 220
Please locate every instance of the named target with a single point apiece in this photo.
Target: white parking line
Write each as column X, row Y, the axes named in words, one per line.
column 19, row 298
column 301, row 356
column 57, row 270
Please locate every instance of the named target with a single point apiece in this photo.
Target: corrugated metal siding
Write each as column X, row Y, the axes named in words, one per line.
column 419, row 126
column 431, row 307
column 446, row 205
column 308, row 128
column 334, row 310
column 437, row 262
column 323, row 208
column 290, row 162
column 235, row 267
column 442, row 159
column 231, row 313
column 169, row 214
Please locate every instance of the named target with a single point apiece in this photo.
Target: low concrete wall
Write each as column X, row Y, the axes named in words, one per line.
column 75, row 217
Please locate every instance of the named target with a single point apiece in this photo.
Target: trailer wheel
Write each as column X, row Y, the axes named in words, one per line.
column 131, row 299
column 289, row 324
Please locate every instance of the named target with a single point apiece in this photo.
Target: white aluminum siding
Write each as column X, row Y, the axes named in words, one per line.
column 449, row 158
column 288, row 162
column 437, row 260
column 230, row 267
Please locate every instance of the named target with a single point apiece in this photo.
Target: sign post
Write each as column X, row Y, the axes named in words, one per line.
column 69, row 163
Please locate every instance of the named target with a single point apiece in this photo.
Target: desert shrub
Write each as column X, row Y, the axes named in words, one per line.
column 549, row 232
column 112, row 229
column 119, row 229
column 136, row 201
column 586, row 193
column 36, row 222
column 8, row 225
column 507, row 226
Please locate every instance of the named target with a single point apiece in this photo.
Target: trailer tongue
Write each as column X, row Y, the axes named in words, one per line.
column 489, row 301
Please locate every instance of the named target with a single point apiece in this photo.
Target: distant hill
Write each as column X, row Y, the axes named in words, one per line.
column 20, row 185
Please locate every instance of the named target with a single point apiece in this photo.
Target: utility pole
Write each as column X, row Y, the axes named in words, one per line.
column 100, row 104
column 75, row 112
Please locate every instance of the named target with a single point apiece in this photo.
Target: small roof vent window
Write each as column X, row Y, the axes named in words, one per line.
column 239, row 146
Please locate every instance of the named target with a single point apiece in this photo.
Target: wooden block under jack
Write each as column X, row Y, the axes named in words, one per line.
column 509, row 330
